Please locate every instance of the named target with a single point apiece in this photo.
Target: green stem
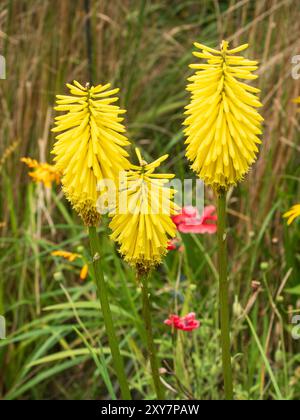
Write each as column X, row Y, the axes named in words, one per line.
column 150, row 342
column 224, row 295
column 108, row 321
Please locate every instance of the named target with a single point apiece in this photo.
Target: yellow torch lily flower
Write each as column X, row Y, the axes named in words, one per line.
column 90, row 147
column 222, row 121
column 292, row 213
column 142, row 227
column 42, row 172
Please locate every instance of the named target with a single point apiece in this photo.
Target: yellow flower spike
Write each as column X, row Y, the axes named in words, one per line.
column 91, row 145
column 42, row 172
column 222, row 123
column 143, row 227
column 292, row 213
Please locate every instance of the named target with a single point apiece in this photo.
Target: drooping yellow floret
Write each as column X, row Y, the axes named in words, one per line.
column 142, row 223
column 42, row 172
column 90, row 147
column 292, row 213
column 223, row 124
column 84, row 272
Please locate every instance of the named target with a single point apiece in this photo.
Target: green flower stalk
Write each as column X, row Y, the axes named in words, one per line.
column 142, row 231
column 222, row 129
column 89, row 149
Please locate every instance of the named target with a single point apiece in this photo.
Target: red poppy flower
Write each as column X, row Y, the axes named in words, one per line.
column 190, row 220
column 184, row 323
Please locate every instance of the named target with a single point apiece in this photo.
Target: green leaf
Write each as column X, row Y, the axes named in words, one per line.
column 294, row 290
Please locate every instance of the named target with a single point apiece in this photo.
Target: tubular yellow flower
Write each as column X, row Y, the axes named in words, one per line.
column 91, row 147
column 143, row 226
column 222, row 124
column 292, row 213
column 42, row 172
column 84, row 272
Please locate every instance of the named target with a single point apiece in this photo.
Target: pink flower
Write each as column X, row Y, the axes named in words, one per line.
column 175, row 245
column 190, row 220
column 184, row 323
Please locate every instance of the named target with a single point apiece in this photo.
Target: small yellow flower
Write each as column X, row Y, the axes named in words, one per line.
column 292, row 213
column 222, row 124
column 142, row 223
column 42, row 172
column 90, row 147
column 70, row 256
column 84, row 272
